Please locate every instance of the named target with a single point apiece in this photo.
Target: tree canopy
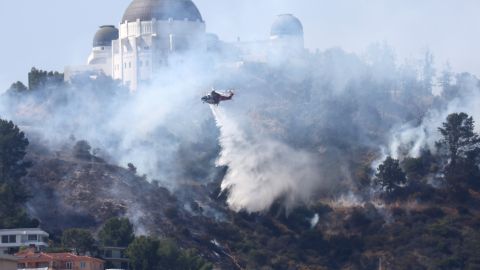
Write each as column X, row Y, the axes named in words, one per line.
column 17, row 87
column 148, row 253
column 82, row 150
column 79, row 239
column 39, row 79
column 13, row 195
column 389, row 175
column 13, row 145
column 461, row 147
column 117, row 232
column 459, row 137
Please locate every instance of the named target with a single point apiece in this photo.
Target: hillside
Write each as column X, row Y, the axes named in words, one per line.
column 328, row 162
column 436, row 234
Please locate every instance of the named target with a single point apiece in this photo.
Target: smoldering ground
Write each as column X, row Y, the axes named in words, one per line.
column 298, row 129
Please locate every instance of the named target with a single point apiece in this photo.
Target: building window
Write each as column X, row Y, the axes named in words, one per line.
column 146, row 63
column 9, row 239
column 140, row 63
column 108, row 253
column 129, row 64
column 125, row 65
column 32, row 237
column 11, row 250
column 83, row 265
column 69, row 265
column 116, row 254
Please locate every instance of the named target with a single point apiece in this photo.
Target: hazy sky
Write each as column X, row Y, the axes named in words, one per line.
column 50, row 34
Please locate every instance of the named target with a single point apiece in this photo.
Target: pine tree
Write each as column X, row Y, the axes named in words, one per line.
column 461, row 146
column 13, row 167
column 390, row 176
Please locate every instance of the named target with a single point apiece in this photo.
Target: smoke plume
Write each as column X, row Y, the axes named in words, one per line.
column 262, row 170
column 301, row 127
column 410, row 139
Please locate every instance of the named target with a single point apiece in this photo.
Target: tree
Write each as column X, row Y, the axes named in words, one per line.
column 445, row 80
column 13, row 145
column 132, row 168
column 190, row 260
column 18, row 87
column 79, row 239
column 461, row 146
column 142, row 253
column 117, row 232
column 150, row 253
column 389, row 175
column 169, row 254
column 12, row 211
column 13, row 167
column 428, row 72
column 82, row 150
column 38, row 79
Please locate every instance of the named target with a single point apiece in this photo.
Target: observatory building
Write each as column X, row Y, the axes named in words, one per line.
column 152, row 30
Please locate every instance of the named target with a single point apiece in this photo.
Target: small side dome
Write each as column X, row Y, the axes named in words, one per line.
column 287, row 25
column 105, row 35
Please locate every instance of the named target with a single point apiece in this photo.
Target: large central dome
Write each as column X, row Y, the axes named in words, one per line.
column 287, row 25
column 146, row 10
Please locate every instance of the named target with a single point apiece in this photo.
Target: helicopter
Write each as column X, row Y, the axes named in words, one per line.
column 215, row 97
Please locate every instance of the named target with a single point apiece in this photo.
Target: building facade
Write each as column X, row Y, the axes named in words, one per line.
column 32, row 260
column 114, row 257
column 150, row 32
column 12, row 240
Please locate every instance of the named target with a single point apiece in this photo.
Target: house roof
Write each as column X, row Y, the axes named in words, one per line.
column 113, row 248
column 8, row 258
column 33, row 257
column 30, row 256
column 24, row 231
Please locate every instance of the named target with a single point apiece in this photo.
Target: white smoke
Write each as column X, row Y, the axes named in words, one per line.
column 348, row 200
column 409, row 140
column 262, row 170
column 294, row 130
column 145, row 128
column 314, row 220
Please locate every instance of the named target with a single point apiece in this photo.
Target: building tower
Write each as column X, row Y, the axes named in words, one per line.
column 101, row 55
column 100, row 58
column 151, row 31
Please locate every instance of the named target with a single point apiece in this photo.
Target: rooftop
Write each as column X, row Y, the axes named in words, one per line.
column 146, row 10
column 31, row 256
column 5, row 257
column 23, row 231
column 287, row 25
